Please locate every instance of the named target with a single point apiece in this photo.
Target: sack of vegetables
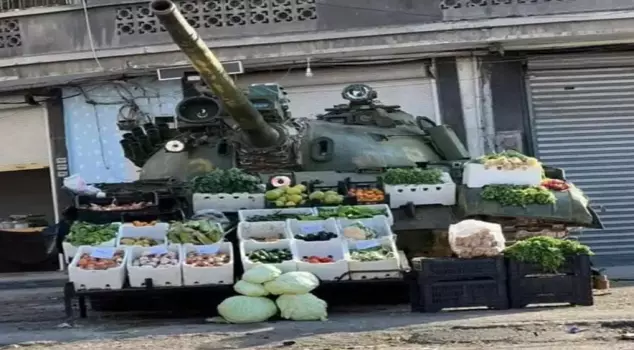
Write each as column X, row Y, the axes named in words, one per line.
column 474, row 239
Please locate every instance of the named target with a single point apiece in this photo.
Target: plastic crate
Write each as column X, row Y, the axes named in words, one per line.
column 107, row 216
column 349, row 185
column 378, row 223
column 161, row 277
column 442, row 194
column 374, row 270
column 297, row 227
column 334, row 248
column 157, row 232
column 111, row 279
column 251, row 231
column 454, row 269
column 476, row 176
column 385, row 207
column 250, row 246
column 436, row 296
column 529, row 284
column 249, row 215
column 228, row 202
column 197, row 276
column 70, row 250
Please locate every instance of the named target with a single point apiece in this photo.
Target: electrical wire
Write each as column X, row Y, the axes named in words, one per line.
column 90, row 37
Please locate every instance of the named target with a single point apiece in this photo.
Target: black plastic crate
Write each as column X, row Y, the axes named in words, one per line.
column 529, row 284
column 350, row 185
column 106, row 216
column 455, row 269
column 428, row 296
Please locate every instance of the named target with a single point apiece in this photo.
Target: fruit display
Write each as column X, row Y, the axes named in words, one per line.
column 350, row 212
column 318, row 259
column 509, row 160
column 330, row 198
column 140, row 241
column 555, row 185
column 371, row 254
column 163, row 260
column 358, row 231
column 270, row 256
column 287, row 196
column 87, row 262
column 514, row 195
column 315, row 237
column 197, row 259
column 226, row 181
column 116, row 207
column 144, row 223
column 82, row 233
column 415, row 176
column 197, row 232
column 367, row 195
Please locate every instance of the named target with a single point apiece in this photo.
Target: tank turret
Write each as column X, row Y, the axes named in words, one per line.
column 236, row 104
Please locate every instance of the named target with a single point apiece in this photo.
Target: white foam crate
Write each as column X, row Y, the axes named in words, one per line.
column 197, row 276
column 96, row 279
column 70, row 250
column 391, row 266
column 247, row 231
column 157, row 231
column 378, row 223
column 228, row 202
column 325, row 271
column 443, row 194
column 212, row 223
column 388, row 211
column 161, row 277
column 250, row 246
column 295, row 227
column 244, row 215
column 476, row 176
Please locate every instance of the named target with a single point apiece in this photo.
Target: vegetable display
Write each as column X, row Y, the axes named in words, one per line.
column 513, row 195
column 274, row 238
column 82, row 233
column 555, row 185
column 546, row 252
column 197, row 232
column 285, row 197
column 270, row 256
column 326, row 198
column 87, row 262
column 350, row 212
column 414, row 176
column 372, row 254
column 358, row 231
column 278, row 217
column 226, row 181
column 367, row 195
column 148, row 259
column 196, row 259
column 143, row 223
column 318, row 259
column 509, row 160
column 116, row 207
column 140, row 241
column 314, row 237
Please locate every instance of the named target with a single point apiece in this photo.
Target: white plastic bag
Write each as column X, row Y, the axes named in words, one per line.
column 302, row 307
column 474, row 238
column 296, row 282
column 243, row 309
column 261, row 274
column 77, row 185
column 250, row 289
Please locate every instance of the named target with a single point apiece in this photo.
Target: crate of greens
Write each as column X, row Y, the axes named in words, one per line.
column 196, row 232
column 506, row 168
column 373, row 259
column 263, row 215
column 281, row 254
column 227, row 191
column 355, row 212
column 419, row 186
column 86, row 234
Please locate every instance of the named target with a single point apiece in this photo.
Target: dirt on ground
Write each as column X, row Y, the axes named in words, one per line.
column 34, row 319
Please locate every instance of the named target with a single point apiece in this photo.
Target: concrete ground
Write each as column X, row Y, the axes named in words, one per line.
column 34, row 318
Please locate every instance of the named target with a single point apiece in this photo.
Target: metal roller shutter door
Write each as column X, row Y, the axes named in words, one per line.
column 25, row 136
column 583, row 121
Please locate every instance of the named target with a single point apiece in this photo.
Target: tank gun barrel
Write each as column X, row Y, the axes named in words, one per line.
column 253, row 125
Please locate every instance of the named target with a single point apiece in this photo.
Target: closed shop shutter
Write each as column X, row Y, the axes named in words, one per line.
column 25, row 138
column 583, row 118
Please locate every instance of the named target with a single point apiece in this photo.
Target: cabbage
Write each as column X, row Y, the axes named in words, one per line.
column 261, row 274
column 298, row 282
column 242, row 309
column 302, row 307
column 250, row 289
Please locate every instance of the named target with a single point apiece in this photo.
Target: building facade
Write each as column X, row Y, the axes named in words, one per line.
column 551, row 77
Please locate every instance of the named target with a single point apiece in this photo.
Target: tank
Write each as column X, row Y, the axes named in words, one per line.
column 223, row 126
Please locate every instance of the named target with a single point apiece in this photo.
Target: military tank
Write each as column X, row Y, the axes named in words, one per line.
column 221, row 126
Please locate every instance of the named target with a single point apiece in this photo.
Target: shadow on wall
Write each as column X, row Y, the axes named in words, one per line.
column 26, row 192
